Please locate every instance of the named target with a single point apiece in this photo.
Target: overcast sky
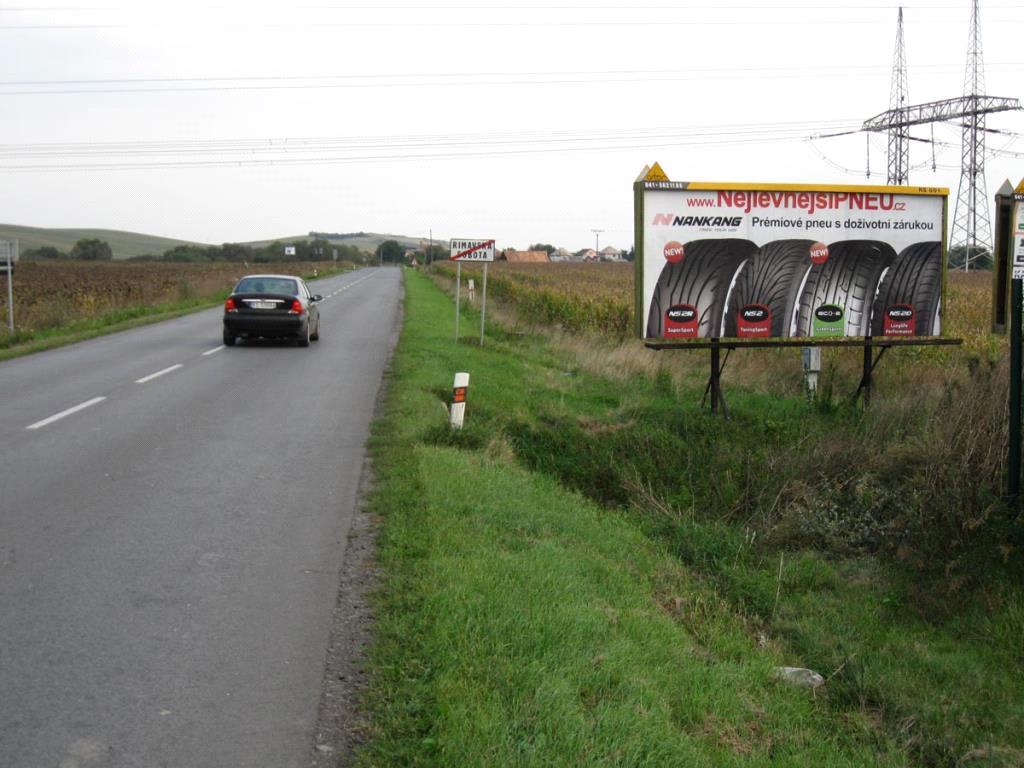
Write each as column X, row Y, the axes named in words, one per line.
column 526, row 123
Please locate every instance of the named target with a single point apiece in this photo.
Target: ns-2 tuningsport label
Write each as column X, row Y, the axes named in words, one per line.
column 754, row 321
column 789, row 263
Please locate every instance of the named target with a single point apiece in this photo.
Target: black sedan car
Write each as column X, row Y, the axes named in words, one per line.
column 272, row 307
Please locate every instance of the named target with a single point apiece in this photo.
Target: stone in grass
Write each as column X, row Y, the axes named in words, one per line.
column 800, row 677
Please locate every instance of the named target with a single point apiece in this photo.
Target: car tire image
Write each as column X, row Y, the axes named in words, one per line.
column 701, row 279
column 914, row 279
column 771, row 278
column 848, row 279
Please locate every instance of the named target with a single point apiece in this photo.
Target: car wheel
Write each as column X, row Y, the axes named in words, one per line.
column 304, row 336
column 229, row 338
column 316, row 333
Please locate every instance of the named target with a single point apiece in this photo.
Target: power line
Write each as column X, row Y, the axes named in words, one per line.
column 490, row 24
column 695, row 71
column 340, row 150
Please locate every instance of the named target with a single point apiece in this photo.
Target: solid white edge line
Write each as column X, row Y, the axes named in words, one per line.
column 152, row 376
column 213, row 351
column 68, row 412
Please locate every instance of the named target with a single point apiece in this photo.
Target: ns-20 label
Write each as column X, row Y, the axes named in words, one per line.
column 899, row 320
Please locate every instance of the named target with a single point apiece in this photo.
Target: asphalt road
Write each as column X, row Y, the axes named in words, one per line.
column 169, row 554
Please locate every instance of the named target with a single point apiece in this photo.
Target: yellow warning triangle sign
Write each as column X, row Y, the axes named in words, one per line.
column 656, row 174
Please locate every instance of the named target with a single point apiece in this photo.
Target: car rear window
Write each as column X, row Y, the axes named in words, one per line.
column 267, row 285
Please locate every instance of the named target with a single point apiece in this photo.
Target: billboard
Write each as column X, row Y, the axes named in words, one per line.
column 735, row 261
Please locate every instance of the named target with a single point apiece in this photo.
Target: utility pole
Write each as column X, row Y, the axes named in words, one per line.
column 597, row 243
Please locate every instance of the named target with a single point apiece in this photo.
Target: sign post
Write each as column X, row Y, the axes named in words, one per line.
column 463, row 249
column 458, row 296
column 9, row 255
column 483, row 306
column 1016, row 248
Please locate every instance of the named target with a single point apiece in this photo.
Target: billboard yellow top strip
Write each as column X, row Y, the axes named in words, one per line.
column 763, row 187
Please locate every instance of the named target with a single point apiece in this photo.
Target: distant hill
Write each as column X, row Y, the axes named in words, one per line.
column 128, row 244
column 367, row 241
column 123, row 244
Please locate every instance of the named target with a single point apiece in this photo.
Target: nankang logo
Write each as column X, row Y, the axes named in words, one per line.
column 669, row 220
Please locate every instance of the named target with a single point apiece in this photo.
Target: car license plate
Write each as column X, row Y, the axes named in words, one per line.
column 263, row 305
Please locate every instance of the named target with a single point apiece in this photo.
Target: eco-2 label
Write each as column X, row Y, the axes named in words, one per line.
column 828, row 321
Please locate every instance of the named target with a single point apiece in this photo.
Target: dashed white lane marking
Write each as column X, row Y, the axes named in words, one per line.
column 152, row 376
column 213, row 351
column 68, row 412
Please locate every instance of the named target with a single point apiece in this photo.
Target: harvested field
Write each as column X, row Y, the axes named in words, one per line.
column 52, row 294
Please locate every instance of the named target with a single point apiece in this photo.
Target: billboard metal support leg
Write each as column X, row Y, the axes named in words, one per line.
column 714, row 386
column 869, row 368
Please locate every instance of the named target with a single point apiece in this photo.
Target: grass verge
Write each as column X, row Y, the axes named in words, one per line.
column 555, row 595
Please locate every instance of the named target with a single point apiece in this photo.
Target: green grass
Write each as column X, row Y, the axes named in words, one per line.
column 557, row 591
column 523, row 624
column 574, row 579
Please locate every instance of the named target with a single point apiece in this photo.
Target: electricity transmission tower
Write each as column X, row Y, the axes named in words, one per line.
column 899, row 140
column 971, row 228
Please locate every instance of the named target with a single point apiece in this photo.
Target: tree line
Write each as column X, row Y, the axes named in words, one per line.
column 94, row 249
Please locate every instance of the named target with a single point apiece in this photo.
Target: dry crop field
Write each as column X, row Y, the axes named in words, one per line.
column 52, row 294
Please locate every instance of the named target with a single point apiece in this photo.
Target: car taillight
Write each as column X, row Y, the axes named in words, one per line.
column 229, row 306
column 296, row 308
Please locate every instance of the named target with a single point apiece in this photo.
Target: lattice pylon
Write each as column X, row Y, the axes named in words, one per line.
column 972, row 229
column 899, row 142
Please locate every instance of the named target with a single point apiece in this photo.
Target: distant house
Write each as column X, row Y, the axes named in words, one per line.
column 561, row 254
column 587, row 254
column 524, row 257
column 610, row 253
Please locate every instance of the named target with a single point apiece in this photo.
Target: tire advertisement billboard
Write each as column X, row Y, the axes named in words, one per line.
column 757, row 261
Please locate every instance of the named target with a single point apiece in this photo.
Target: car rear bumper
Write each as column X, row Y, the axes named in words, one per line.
column 241, row 325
